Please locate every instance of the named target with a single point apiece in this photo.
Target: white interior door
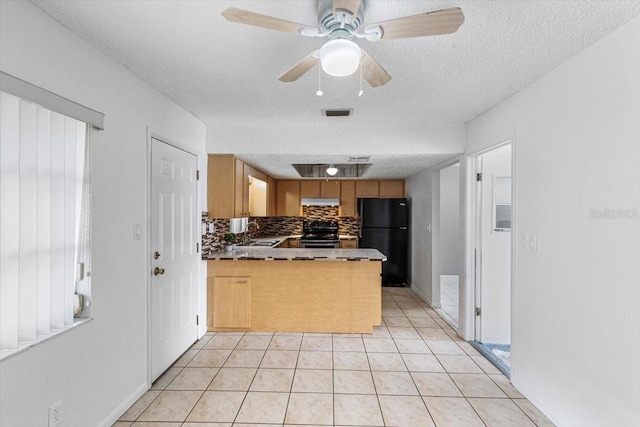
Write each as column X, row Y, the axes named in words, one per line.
column 494, row 296
column 174, row 254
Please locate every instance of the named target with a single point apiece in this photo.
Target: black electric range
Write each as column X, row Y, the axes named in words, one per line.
column 320, row 234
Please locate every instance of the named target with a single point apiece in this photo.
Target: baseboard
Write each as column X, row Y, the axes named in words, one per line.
column 122, row 408
column 423, row 296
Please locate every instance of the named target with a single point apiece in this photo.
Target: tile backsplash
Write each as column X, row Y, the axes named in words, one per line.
column 276, row 226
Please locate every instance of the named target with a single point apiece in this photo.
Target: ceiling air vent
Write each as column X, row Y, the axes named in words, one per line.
column 343, row 112
column 359, row 159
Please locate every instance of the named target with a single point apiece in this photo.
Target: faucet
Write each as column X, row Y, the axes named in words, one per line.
column 246, row 238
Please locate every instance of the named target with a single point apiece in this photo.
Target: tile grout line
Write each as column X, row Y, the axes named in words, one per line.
column 404, row 305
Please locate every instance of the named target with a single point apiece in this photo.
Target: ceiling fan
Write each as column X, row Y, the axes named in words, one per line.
column 340, row 21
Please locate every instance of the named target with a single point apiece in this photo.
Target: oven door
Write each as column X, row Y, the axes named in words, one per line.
column 319, row 244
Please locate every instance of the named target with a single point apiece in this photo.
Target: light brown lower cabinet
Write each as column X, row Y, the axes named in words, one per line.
column 330, row 296
column 293, row 243
column 229, row 302
column 348, row 244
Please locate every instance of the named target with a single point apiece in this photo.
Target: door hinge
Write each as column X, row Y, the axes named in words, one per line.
column 197, row 175
column 479, row 177
column 478, row 311
column 197, row 247
column 197, row 320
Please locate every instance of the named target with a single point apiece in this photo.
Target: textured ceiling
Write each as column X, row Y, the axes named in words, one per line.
column 226, row 73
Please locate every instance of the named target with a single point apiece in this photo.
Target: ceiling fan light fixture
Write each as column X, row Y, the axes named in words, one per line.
column 332, row 170
column 340, row 57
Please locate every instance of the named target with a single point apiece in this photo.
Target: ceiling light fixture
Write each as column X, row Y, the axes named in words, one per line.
column 332, row 170
column 340, row 57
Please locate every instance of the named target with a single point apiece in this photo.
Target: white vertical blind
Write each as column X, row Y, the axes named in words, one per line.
column 41, row 166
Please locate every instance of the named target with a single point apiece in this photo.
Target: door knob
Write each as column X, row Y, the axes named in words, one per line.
column 157, row 271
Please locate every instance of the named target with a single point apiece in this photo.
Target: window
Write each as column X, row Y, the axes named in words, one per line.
column 44, row 212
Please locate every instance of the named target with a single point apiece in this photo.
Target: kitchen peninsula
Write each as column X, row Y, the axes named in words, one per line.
column 295, row 290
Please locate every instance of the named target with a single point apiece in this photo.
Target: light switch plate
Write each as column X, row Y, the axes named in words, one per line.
column 137, row 231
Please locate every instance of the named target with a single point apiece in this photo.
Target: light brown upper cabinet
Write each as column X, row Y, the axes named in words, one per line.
column 228, row 185
column 309, row 188
column 288, row 198
column 391, row 189
column 221, row 178
column 347, row 198
column 367, row 189
column 241, row 196
column 330, row 188
column 272, row 194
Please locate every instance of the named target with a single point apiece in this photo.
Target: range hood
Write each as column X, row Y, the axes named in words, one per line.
column 320, row 201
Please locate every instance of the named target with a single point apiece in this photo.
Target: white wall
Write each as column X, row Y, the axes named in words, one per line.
column 99, row 368
column 577, row 147
column 450, row 251
column 418, row 190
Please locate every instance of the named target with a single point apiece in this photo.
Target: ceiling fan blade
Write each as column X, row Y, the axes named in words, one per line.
column 298, row 70
column 351, row 6
column 373, row 72
column 257, row 20
column 444, row 21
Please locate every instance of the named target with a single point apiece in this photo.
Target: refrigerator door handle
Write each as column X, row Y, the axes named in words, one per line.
column 360, row 222
column 403, row 228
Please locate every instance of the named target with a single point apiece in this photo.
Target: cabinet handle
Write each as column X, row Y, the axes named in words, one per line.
column 241, row 282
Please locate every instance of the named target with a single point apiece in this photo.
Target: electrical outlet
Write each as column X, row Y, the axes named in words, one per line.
column 55, row 414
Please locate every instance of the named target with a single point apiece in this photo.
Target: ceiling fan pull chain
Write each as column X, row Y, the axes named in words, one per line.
column 361, row 91
column 319, row 92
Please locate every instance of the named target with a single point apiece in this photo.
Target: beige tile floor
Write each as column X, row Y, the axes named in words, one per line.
column 449, row 299
column 412, row 371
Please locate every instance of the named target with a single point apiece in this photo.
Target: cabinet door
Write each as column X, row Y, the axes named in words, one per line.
column 348, row 198
column 239, row 189
column 288, row 198
column 231, row 298
column 272, row 197
column 349, row 244
column 391, row 189
column 367, row 189
column 329, row 188
column 309, row 189
column 220, row 186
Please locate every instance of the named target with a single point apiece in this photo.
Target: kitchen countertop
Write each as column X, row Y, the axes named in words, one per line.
column 306, row 254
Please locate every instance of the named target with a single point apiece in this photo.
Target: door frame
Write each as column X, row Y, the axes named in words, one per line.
column 154, row 135
column 472, row 243
column 436, row 300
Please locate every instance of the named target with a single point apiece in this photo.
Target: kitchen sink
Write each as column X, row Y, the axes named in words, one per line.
column 261, row 243
column 264, row 243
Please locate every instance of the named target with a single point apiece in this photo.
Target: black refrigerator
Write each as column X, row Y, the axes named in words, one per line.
column 384, row 225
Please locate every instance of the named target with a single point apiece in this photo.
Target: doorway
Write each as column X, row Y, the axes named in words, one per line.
column 450, row 251
column 174, row 255
column 493, row 251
